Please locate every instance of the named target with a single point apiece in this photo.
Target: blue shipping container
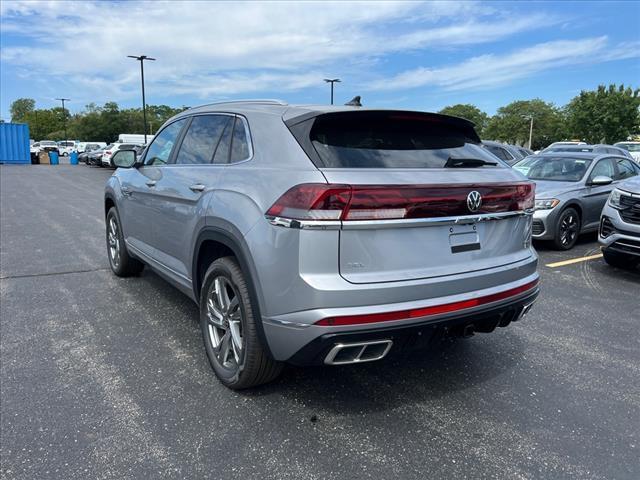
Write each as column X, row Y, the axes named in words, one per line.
column 14, row 143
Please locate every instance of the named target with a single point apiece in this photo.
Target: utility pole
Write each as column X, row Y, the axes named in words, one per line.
column 64, row 119
column 332, row 81
column 530, row 118
column 141, row 59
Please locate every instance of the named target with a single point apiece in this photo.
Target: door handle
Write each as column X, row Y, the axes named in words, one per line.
column 151, row 183
column 198, row 187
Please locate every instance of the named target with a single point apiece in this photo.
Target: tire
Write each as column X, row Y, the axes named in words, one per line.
column 567, row 229
column 122, row 264
column 620, row 260
column 229, row 328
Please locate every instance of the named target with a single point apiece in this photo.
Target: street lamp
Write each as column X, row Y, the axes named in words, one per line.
column 64, row 119
column 141, row 59
column 529, row 117
column 332, row 81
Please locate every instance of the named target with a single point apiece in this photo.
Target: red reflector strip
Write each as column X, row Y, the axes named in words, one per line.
column 426, row 311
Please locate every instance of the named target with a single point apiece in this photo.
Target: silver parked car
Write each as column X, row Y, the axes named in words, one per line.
column 324, row 235
column 571, row 189
column 620, row 225
column 598, row 148
column 508, row 153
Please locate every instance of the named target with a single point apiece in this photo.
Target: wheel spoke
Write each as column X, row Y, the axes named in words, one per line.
column 236, row 338
column 222, row 295
column 233, row 306
column 225, row 347
column 213, row 314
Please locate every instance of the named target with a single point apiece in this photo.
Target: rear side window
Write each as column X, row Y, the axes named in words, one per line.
column 200, row 141
column 224, row 145
column 390, row 140
column 240, row 143
column 626, row 169
column 499, row 152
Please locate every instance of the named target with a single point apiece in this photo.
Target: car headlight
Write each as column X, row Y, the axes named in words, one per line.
column 614, row 199
column 546, row 204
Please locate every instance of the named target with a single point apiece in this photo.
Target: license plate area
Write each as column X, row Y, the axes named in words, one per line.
column 464, row 239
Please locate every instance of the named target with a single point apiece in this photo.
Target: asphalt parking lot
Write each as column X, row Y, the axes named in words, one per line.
column 103, row 377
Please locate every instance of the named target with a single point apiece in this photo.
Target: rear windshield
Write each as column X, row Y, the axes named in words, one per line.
column 562, row 169
column 392, row 140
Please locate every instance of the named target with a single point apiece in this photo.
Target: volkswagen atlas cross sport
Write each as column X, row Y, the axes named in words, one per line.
column 324, row 235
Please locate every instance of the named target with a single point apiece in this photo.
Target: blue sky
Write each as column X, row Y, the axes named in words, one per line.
column 394, row 54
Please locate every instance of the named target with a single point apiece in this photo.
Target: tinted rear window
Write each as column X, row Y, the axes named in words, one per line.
column 392, row 140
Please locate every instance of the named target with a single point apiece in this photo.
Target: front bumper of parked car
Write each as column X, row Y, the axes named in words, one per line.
column 544, row 223
column 616, row 235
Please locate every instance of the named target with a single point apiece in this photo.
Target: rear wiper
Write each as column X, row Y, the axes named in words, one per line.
column 467, row 162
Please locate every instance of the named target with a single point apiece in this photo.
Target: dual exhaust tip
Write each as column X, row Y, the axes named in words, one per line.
column 359, row 352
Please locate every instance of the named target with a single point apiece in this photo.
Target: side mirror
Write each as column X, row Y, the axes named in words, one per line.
column 601, row 180
column 124, row 158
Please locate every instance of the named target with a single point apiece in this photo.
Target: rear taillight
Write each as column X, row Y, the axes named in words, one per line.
column 107, row 153
column 316, row 201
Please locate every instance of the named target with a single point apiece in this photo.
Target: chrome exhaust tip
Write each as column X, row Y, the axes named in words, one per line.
column 359, row 352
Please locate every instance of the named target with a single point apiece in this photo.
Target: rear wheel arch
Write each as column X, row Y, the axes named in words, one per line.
column 213, row 243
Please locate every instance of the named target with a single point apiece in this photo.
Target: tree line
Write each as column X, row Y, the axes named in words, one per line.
column 94, row 123
column 606, row 115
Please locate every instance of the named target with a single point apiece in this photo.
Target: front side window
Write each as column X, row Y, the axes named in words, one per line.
column 160, row 148
column 201, row 139
column 604, row 168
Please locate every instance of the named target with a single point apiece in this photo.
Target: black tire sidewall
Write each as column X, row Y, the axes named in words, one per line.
column 565, row 213
column 219, row 268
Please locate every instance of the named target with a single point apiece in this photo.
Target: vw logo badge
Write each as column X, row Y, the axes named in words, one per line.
column 474, row 200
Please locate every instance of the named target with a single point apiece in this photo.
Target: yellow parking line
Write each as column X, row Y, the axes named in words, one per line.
column 574, row 260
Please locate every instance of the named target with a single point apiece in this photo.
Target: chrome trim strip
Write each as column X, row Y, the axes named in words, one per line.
column 401, row 223
column 628, row 245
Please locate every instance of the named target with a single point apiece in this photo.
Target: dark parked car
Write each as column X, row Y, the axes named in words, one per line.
column 94, row 157
column 508, row 153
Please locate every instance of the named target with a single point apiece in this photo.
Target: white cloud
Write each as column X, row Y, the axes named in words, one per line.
column 208, row 49
column 490, row 71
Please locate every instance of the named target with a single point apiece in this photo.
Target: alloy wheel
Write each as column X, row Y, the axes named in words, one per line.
column 568, row 229
column 224, row 318
column 114, row 242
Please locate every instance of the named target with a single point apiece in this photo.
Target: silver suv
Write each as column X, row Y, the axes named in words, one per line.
column 324, row 235
column 620, row 225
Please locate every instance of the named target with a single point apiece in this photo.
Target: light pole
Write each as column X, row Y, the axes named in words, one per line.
column 529, row 117
column 64, row 119
column 141, row 59
column 332, row 81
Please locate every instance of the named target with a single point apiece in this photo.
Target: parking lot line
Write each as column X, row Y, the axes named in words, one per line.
column 574, row 260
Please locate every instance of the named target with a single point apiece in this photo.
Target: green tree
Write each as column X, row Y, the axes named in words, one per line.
column 470, row 112
column 511, row 123
column 20, row 108
column 606, row 115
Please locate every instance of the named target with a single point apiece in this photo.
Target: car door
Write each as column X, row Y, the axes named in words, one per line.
column 137, row 186
column 596, row 195
column 183, row 191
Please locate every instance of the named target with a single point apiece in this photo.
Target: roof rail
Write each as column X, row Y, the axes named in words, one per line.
column 262, row 101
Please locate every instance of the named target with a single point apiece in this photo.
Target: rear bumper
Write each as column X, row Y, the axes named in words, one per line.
column 302, row 344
